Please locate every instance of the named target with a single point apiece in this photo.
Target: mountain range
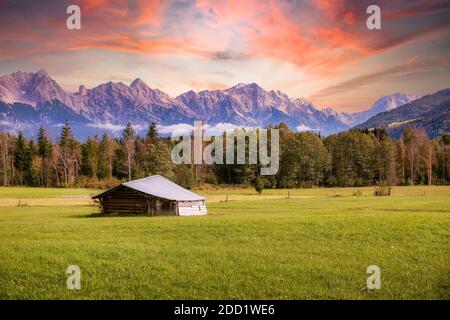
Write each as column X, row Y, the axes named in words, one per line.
column 28, row 100
column 431, row 112
column 383, row 104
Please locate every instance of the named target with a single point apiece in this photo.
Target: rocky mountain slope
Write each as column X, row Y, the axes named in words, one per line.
column 431, row 112
column 383, row 104
column 117, row 103
column 28, row 100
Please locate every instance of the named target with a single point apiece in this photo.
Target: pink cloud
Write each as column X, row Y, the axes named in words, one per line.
column 273, row 29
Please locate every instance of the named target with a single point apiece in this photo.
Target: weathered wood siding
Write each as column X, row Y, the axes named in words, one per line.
column 192, row 208
column 126, row 200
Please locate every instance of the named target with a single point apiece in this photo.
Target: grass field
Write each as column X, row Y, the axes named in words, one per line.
column 315, row 245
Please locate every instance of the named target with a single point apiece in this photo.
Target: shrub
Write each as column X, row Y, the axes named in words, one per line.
column 259, row 185
column 382, row 189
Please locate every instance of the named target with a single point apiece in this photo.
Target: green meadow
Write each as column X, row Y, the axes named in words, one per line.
column 296, row 244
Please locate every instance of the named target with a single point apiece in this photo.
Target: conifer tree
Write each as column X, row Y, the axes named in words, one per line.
column 20, row 158
column 152, row 133
column 44, row 145
column 32, row 166
column 68, row 153
column 20, row 153
column 106, row 156
column 128, row 137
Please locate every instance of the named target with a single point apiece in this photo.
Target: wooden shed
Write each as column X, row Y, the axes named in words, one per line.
column 154, row 195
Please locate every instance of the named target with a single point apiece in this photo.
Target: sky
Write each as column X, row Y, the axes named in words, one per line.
column 320, row 50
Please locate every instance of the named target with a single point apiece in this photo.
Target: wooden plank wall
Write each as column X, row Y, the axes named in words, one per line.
column 126, row 200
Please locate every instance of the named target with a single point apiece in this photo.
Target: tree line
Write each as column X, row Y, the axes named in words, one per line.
column 351, row 158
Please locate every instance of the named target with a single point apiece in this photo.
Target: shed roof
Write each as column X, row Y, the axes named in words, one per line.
column 161, row 187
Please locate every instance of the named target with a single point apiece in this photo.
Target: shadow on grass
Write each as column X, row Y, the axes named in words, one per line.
column 90, row 215
column 123, row 215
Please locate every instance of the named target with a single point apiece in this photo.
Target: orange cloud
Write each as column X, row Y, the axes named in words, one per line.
column 320, row 36
column 415, row 64
column 211, row 85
